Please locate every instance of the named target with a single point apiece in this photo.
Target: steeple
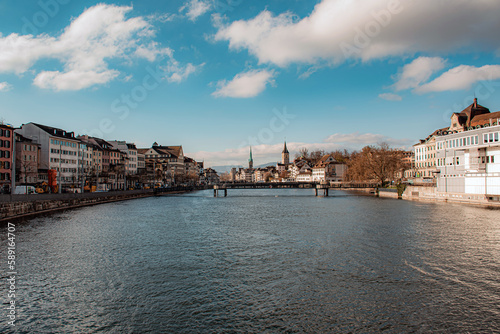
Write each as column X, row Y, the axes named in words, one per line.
column 285, row 150
column 250, row 161
column 285, row 155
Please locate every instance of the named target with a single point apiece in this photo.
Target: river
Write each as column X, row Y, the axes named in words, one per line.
column 269, row 260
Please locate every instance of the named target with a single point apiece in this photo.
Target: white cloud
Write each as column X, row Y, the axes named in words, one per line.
column 366, row 30
column 177, row 73
column 73, row 80
column 460, row 78
column 99, row 34
column 5, row 86
column 196, row 8
column 358, row 140
column 267, row 153
column 244, row 85
column 390, row 97
column 418, row 72
column 152, row 51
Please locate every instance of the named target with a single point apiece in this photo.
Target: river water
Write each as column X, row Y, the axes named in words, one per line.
column 272, row 260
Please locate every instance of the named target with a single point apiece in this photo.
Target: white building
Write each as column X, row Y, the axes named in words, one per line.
column 469, row 161
column 328, row 169
column 59, row 150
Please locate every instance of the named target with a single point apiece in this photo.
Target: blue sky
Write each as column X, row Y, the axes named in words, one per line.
column 219, row 75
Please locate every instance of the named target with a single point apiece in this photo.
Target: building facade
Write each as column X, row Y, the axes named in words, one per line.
column 6, row 147
column 469, row 161
column 58, row 150
column 27, row 157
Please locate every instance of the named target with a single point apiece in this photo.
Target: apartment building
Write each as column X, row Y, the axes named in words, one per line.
column 59, row 150
column 6, row 147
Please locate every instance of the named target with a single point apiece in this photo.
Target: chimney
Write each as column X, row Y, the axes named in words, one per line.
column 475, row 102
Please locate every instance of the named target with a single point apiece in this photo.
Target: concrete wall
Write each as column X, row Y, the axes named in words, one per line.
column 431, row 194
column 26, row 205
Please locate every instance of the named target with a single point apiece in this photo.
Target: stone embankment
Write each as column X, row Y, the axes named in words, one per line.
column 20, row 206
column 430, row 194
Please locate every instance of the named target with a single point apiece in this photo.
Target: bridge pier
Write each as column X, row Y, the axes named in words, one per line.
column 219, row 188
column 323, row 187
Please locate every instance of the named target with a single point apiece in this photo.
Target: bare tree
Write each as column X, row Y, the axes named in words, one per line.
column 374, row 163
column 303, row 152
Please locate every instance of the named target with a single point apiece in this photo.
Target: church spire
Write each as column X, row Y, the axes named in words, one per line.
column 250, row 161
column 285, row 155
column 285, row 150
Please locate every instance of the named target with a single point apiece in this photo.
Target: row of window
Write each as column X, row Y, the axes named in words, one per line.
column 490, row 137
column 456, row 160
column 5, row 143
column 64, row 161
column 459, row 142
column 56, row 151
column 425, row 164
column 63, row 143
column 4, row 154
column 66, row 170
column 451, row 161
column 426, row 156
column 29, row 157
column 29, row 148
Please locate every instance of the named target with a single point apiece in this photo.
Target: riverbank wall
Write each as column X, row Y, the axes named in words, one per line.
column 23, row 206
column 430, row 194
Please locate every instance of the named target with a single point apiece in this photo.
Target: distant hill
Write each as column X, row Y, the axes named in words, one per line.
column 265, row 165
column 227, row 168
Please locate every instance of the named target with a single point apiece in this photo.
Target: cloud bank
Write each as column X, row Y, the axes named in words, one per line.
column 100, row 34
column 366, row 30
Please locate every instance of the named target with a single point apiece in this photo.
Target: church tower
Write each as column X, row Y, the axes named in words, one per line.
column 250, row 161
column 285, row 156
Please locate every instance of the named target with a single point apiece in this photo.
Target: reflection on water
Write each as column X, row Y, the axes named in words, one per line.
column 268, row 260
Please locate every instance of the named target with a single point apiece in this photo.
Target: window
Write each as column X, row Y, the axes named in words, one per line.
column 496, row 136
column 477, row 139
column 485, row 138
column 491, row 137
column 468, row 140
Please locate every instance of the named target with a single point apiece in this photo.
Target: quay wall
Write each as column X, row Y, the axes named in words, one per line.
column 430, row 194
column 21, row 206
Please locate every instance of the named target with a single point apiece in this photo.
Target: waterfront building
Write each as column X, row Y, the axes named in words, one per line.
column 58, row 150
column 304, row 177
column 210, row 176
column 468, row 161
column 167, row 160
column 464, row 157
column 27, row 157
column 299, row 166
column 6, row 147
column 328, row 169
column 425, row 157
column 130, row 151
